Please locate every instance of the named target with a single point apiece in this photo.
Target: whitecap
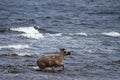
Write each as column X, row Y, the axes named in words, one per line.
column 78, row 34
column 57, row 34
column 29, row 32
column 14, row 47
column 24, row 54
column 32, row 36
column 112, row 34
column 54, row 35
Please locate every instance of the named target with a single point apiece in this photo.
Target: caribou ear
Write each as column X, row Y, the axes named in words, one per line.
column 62, row 49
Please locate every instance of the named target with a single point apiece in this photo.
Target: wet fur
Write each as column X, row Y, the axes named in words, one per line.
column 52, row 61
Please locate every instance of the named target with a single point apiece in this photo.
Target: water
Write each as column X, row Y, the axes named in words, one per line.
column 87, row 28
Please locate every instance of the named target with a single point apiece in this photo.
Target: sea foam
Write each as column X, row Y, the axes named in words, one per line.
column 29, row 32
column 112, row 34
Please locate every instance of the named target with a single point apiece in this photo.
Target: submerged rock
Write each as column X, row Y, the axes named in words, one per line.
column 14, row 71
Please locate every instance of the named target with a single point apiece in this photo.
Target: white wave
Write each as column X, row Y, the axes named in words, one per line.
column 32, row 36
column 24, row 54
column 14, row 47
column 29, row 32
column 67, row 34
column 78, row 34
column 112, row 34
column 54, row 35
column 57, row 34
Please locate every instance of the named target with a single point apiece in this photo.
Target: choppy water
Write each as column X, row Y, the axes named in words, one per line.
column 90, row 29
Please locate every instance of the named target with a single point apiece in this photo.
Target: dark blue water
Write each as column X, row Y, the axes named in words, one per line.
column 90, row 29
